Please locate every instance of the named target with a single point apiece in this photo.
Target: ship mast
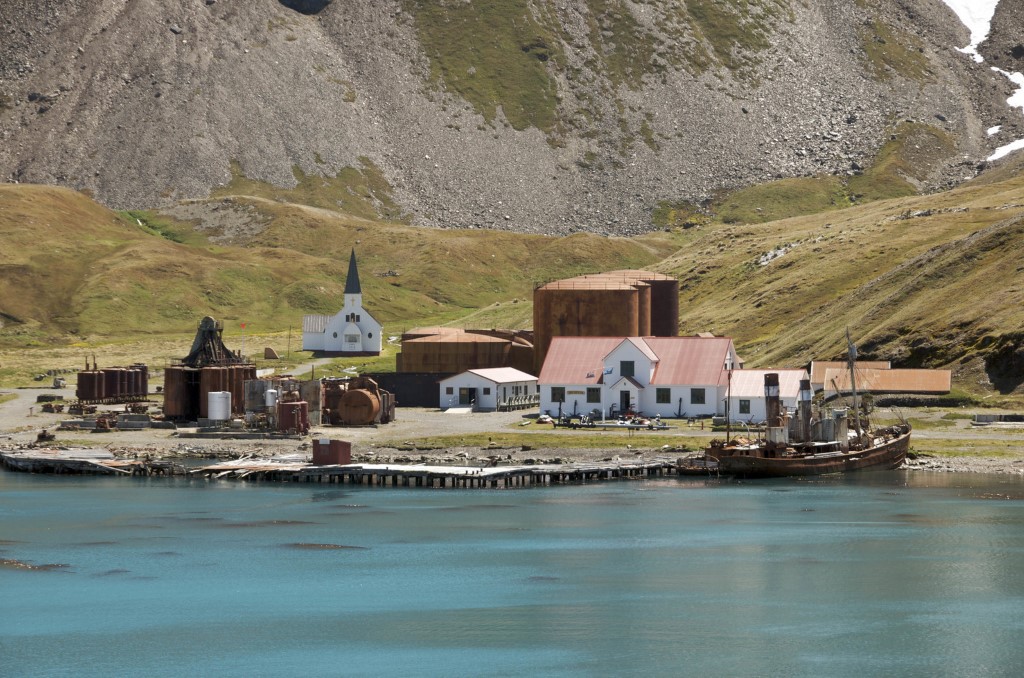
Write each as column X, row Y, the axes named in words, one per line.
column 851, row 353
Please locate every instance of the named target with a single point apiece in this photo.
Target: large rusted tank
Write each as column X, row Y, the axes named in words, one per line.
column 237, row 376
column 358, row 407
column 90, row 386
column 175, row 398
column 627, row 303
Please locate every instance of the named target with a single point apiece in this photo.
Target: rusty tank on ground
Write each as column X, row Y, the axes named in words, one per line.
column 356, row 401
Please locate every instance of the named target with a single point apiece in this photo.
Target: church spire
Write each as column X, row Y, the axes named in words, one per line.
column 352, row 280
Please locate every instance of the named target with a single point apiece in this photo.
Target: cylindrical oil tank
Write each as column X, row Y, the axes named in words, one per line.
column 219, row 405
column 270, row 398
column 90, row 385
column 111, row 383
column 664, row 307
column 358, row 407
column 134, row 383
column 643, row 316
column 174, row 392
column 293, row 416
column 142, row 379
column 124, row 383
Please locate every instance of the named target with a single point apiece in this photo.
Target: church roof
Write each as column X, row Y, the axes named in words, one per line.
column 352, row 280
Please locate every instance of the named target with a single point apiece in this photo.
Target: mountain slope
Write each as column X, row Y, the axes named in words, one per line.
column 526, row 115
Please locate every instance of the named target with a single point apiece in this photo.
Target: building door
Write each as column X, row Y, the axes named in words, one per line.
column 467, row 396
column 624, row 401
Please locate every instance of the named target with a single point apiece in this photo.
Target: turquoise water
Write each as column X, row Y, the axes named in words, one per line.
column 876, row 574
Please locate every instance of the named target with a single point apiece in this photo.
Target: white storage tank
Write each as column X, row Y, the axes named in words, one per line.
column 270, row 398
column 219, row 405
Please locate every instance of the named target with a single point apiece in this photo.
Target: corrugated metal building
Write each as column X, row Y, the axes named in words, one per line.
column 907, row 381
column 819, row 367
column 447, row 350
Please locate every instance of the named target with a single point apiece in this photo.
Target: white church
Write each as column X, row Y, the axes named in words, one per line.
column 352, row 330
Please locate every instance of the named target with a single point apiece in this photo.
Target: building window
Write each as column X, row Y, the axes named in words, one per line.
column 593, row 395
column 626, row 368
column 335, row 335
column 449, row 390
column 696, row 396
column 351, row 338
column 744, row 406
column 487, row 390
column 558, row 394
column 663, row 395
column 369, row 335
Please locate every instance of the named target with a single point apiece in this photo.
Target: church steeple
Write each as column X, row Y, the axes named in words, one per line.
column 352, row 280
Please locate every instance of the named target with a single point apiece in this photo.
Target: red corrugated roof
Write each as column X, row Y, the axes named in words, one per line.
column 889, row 381
column 576, row 360
column 818, row 367
column 681, row 360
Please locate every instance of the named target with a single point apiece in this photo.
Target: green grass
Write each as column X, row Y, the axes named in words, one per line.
column 783, row 199
column 889, row 51
column 493, row 53
column 357, row 191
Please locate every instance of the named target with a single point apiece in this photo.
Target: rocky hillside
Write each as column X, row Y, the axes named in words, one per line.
column 531, row 115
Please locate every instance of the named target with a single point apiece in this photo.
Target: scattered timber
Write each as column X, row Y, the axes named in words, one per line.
column 84, row 461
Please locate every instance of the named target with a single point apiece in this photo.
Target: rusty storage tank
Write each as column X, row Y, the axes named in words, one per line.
column 90, row 386
column 358, row 407
column 617, row 303
column 174, row 392
column 131, row 381
column 575, row 308
column 142, row 379
column 237, row 376
column 111, row 383
column 293, row 416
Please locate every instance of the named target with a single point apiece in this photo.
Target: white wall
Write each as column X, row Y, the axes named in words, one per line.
column 487, row 402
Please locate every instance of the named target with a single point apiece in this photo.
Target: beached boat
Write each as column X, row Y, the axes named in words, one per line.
column 813, row 443
column 886, row 448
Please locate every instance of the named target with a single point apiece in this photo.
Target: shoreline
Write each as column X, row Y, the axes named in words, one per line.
column 483, row 458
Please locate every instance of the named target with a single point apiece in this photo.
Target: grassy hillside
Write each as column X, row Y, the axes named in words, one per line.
column 73, row 270
column 920, row 280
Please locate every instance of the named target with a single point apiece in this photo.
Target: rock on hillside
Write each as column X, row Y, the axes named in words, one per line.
column 533, row 115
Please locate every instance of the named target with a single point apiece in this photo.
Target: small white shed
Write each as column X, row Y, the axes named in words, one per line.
column 490, row 389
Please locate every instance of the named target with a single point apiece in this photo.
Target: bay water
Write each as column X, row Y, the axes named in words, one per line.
column 890, row 573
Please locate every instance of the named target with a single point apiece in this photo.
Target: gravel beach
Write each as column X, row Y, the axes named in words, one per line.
column 402, row 441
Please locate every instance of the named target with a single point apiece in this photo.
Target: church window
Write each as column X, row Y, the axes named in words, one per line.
column 335, row 335
column 351, row 338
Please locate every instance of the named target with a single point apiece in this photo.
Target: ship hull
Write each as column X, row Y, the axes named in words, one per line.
column 888, row 455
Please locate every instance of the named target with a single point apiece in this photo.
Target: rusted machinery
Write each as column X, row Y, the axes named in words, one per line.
column 356, row 401
column 209, row 367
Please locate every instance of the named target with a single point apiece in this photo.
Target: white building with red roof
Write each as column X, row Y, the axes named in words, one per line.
column 664, row 376
column 489, row 389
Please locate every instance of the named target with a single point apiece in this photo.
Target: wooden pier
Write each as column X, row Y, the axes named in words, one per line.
column 398, row 475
